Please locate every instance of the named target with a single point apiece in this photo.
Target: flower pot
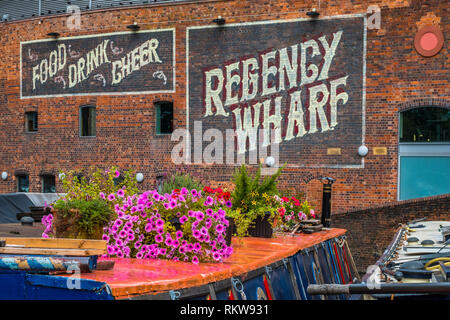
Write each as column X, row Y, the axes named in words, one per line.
column 231, row 229
column 262, row 227
column 67, row 227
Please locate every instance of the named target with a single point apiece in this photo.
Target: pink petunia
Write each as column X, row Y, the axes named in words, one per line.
column 183, row 219
column 159, row 238
column 220, row 228
column 121, row 193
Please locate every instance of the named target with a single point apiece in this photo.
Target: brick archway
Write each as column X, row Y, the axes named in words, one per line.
column 426, row 102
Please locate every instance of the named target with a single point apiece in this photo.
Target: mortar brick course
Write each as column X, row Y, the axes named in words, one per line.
column 397, row 78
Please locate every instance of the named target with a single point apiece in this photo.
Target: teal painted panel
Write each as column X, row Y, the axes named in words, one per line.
column 424, row 176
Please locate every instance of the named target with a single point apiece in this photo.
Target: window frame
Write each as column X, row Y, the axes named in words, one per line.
column 36, row 125
column 43, row 182
column 80, row 121
column 157, row 105
column 400, row 129
column 18, row 177
column 419, row 148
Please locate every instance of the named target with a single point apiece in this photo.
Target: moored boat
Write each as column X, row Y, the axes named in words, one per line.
column 415, row 265
column 279, row 268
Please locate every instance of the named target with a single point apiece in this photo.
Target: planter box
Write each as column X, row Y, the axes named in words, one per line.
column 230, row 231
column 262, row 227
column 68, row 227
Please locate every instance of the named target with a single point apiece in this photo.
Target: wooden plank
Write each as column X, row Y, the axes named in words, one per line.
column 52, row 251
column 59, row 243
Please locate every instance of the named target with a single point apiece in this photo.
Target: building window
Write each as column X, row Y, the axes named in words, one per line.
column 87, row 121
column 164, row 117
column 23, row 183
column 429, row 124
column 48, row 184
column 31, row 121
column 424, row 152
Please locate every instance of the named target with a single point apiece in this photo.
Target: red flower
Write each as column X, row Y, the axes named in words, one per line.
column 227, row 195
column 219, row 190
column 285, row 199
column 176, row 190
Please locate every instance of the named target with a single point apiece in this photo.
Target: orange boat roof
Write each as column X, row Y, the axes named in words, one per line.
column 131, row 277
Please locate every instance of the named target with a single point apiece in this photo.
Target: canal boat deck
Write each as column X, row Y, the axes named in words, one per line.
column 134, row 277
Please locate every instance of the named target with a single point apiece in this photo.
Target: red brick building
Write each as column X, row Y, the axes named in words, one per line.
column 111, row 89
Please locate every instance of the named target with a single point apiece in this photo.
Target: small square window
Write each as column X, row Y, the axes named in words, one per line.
column 48, row 184
column 87, row 121
column 164, row 117
column 23, row 183
column 31, row 121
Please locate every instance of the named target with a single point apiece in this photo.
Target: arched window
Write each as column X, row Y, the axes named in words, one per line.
column 424, row 152
column 428, row 124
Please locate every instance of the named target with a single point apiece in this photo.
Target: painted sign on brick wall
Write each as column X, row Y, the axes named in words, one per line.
column 303, row 79
column 117, row 63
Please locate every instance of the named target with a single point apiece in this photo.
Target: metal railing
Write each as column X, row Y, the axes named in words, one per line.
column 13, row 10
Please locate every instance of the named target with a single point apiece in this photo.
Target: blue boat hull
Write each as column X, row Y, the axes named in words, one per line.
column 286, row 279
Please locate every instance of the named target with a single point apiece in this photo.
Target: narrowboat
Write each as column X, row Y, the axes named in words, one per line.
column 277, row 268
column 415, row 266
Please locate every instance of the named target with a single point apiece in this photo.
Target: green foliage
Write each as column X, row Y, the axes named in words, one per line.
column 252, row 198
column 79, row 218
column 178, row 181
column 97, row 184
column 87, row 195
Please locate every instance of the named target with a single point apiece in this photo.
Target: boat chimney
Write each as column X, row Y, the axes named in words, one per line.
column 326, row 201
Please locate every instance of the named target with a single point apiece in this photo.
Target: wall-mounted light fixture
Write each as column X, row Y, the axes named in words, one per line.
column 139, row 177
column 4, row 175
column 313, row 13
column 363, row 151
column 53, row 34
column 219, row 20
column 270, row 161
column 134, row 27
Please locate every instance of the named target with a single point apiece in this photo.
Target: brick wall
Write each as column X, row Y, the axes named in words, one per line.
column 396, row 76
column 371, row 230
